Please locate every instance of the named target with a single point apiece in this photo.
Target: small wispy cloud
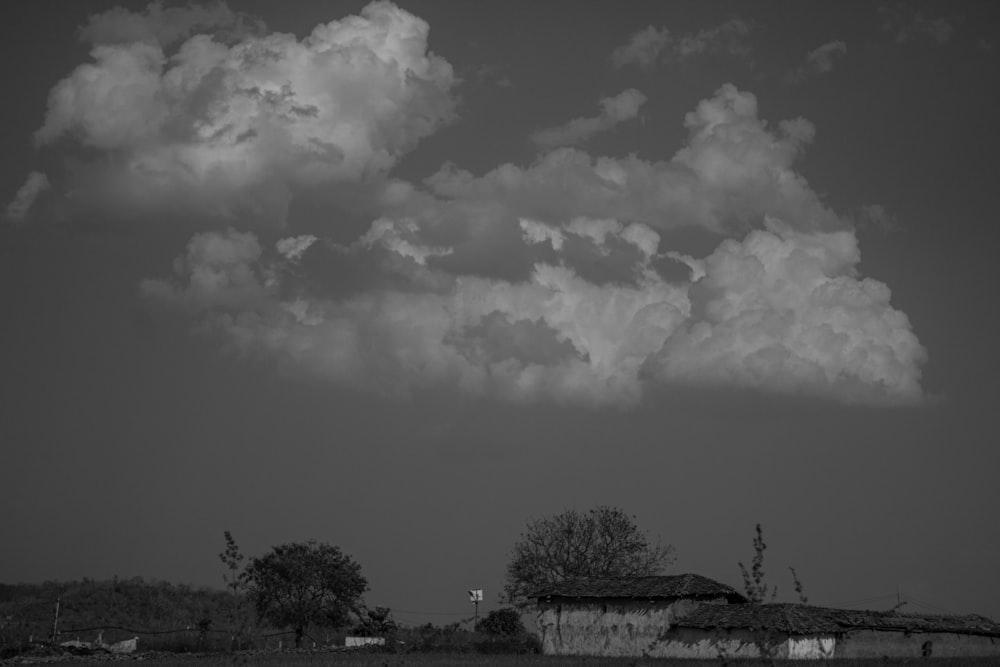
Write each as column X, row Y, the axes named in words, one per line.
column 493, row 75
column 650, row 45
column 906, row 25
column 818, row 61
column 614, row 110
column 36, row 183
column 878, row 218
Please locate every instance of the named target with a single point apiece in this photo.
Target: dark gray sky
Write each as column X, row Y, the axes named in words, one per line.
column 444, row 267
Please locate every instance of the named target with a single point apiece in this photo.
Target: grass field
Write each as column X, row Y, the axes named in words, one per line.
column 316, row 659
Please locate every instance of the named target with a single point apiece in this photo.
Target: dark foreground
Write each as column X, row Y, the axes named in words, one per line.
column 372, row 659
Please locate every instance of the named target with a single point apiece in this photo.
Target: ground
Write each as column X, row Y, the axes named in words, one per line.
column 372, row 659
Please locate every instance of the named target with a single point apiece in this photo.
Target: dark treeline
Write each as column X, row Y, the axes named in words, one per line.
column 28, row 610
column 177, row 617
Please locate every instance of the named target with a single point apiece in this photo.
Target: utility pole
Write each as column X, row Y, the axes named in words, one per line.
column 476, row 596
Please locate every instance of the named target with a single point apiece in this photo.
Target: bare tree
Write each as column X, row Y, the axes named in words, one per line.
column 759, row 592
column 236, row 582
column 601, row 542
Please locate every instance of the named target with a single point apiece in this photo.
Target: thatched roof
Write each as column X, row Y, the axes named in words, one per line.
column 799, row 619
column 692, row 586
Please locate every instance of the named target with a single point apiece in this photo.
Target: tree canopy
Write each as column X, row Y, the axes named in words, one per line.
column 303, row 583
column 601, row 542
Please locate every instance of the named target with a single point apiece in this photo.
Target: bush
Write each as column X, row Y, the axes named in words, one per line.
column 502, row 623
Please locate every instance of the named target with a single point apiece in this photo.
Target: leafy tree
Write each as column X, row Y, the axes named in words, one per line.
column 300, row 583
column 376, row 623
column 602, row 542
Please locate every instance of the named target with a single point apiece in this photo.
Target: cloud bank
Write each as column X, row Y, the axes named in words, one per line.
column 733, row 170
column 779, row 308
column 559, row 280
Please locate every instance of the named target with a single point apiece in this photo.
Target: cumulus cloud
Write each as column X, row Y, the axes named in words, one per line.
column 818, row 61
column 780, row 311
column 220, row 272
column 546, row 281
column 592, row 320
column 19, row 207
column 401, row 237
column 614, row 110
column 786, row 311
column 734, row 170
column 554, row 336
column 650, row 45
column 778, row 307
column 167, row 25
column 907, row 25
column 232, row 129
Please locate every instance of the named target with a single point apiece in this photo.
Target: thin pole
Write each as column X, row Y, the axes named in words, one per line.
column 55, row 621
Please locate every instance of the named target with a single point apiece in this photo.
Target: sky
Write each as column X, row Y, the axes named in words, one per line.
column 403, row 277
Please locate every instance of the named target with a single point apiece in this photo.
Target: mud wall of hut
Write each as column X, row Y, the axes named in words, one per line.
column 617, row 628
column 893, row 644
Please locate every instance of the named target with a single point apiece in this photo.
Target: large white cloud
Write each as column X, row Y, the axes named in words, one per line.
column 549, row 281
column 780, row 310
column 234, row 128
column 785, row 311
column 553, row 336
column 592, row 319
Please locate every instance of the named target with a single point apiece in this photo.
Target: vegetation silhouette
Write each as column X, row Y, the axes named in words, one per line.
column 601, row 542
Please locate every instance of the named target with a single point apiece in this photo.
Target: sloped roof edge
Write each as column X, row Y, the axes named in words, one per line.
column 642, row 588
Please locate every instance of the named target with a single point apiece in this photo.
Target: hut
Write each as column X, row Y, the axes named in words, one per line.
column 621, row 617
column 690, row 616
column 798, row 631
